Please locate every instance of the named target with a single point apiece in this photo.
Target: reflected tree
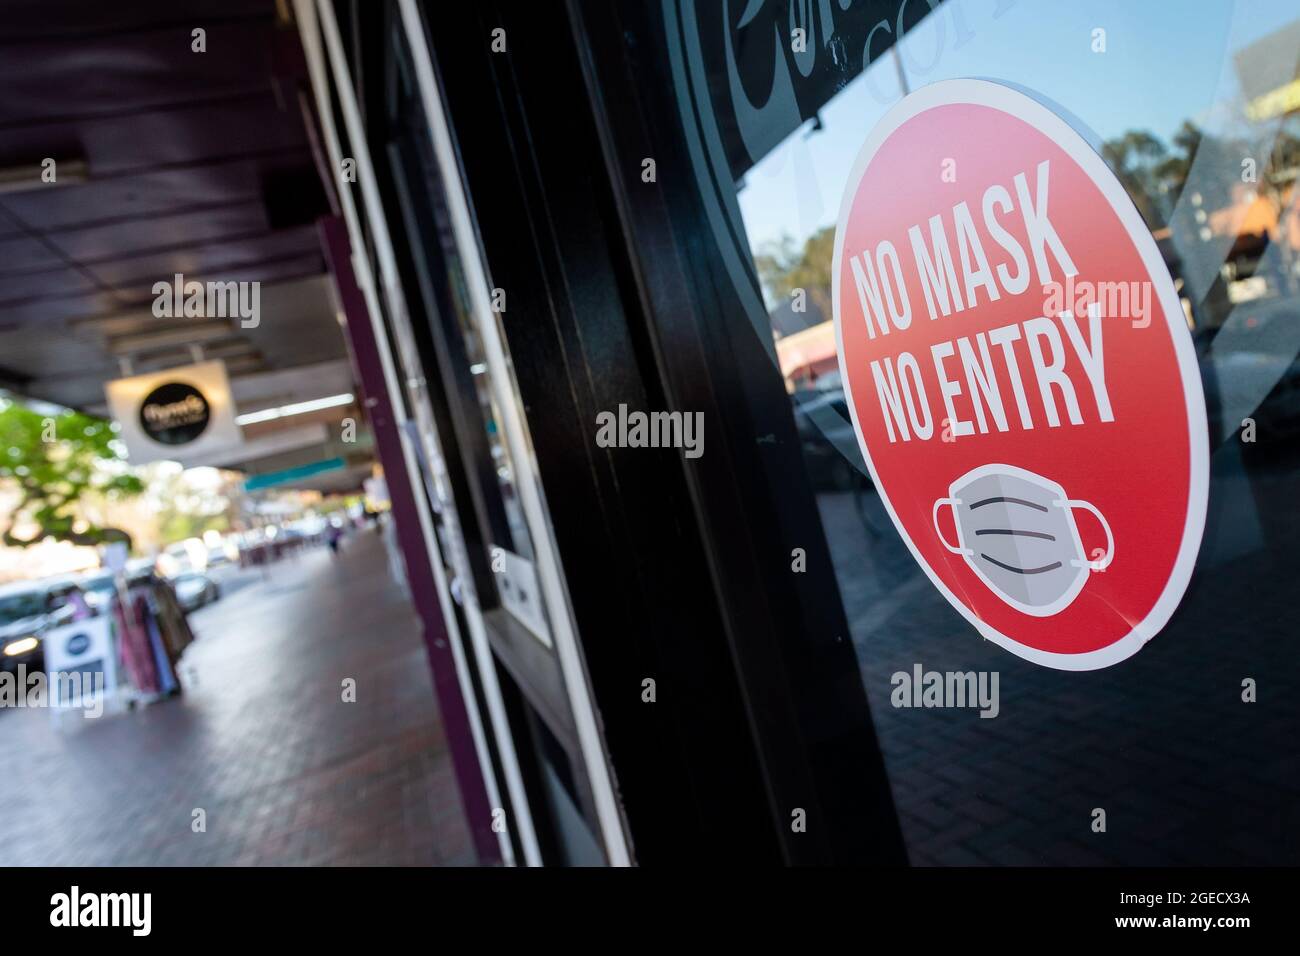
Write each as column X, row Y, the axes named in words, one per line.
column 784, row 266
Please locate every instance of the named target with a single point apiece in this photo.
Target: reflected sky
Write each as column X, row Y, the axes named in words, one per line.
column 1166, row 61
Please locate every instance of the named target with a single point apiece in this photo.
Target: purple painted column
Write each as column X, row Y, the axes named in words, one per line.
column 410, row 537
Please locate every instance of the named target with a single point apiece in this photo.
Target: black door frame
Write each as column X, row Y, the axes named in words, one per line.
column 678, row 570
column 789, row 635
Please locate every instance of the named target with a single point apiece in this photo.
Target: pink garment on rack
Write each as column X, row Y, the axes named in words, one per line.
column 136, row 649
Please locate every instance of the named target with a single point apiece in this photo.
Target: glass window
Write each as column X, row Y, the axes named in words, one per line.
column 511, row 558
column 1196, row 110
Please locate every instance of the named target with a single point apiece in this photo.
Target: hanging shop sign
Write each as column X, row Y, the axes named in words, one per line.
column 1020, row 375
column 182, row 414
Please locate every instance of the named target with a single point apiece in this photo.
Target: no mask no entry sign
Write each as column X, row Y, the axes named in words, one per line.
column 1020, row 375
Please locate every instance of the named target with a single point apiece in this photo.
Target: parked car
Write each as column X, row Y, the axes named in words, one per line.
column 194, row 590
column 99, row 589
column 25, row 615
column 823, row 422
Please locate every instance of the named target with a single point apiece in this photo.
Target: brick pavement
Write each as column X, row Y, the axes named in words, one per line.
column 1187, row 772
column 286, row 771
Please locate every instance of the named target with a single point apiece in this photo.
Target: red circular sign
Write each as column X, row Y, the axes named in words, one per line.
column 1020, row 375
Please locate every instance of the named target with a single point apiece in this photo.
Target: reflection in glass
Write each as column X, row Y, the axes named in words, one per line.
column 1198, row 115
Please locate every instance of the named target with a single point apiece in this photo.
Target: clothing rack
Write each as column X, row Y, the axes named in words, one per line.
column 152, row 633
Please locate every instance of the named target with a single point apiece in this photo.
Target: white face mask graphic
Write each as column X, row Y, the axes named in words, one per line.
column 1016, row 530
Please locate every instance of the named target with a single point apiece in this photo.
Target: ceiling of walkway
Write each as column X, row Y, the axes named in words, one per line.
column 167, row 161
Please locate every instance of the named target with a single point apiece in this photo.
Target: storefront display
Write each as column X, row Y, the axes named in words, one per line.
column 989, row 314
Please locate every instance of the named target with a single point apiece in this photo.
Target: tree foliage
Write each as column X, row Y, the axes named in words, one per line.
column 54, row 462
column 784, row 266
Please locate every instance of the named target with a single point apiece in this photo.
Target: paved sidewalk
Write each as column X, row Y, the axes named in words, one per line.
column 286, row 772
column 1187, row 773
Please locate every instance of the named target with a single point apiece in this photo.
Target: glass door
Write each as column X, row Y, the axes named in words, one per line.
column 751, row 116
